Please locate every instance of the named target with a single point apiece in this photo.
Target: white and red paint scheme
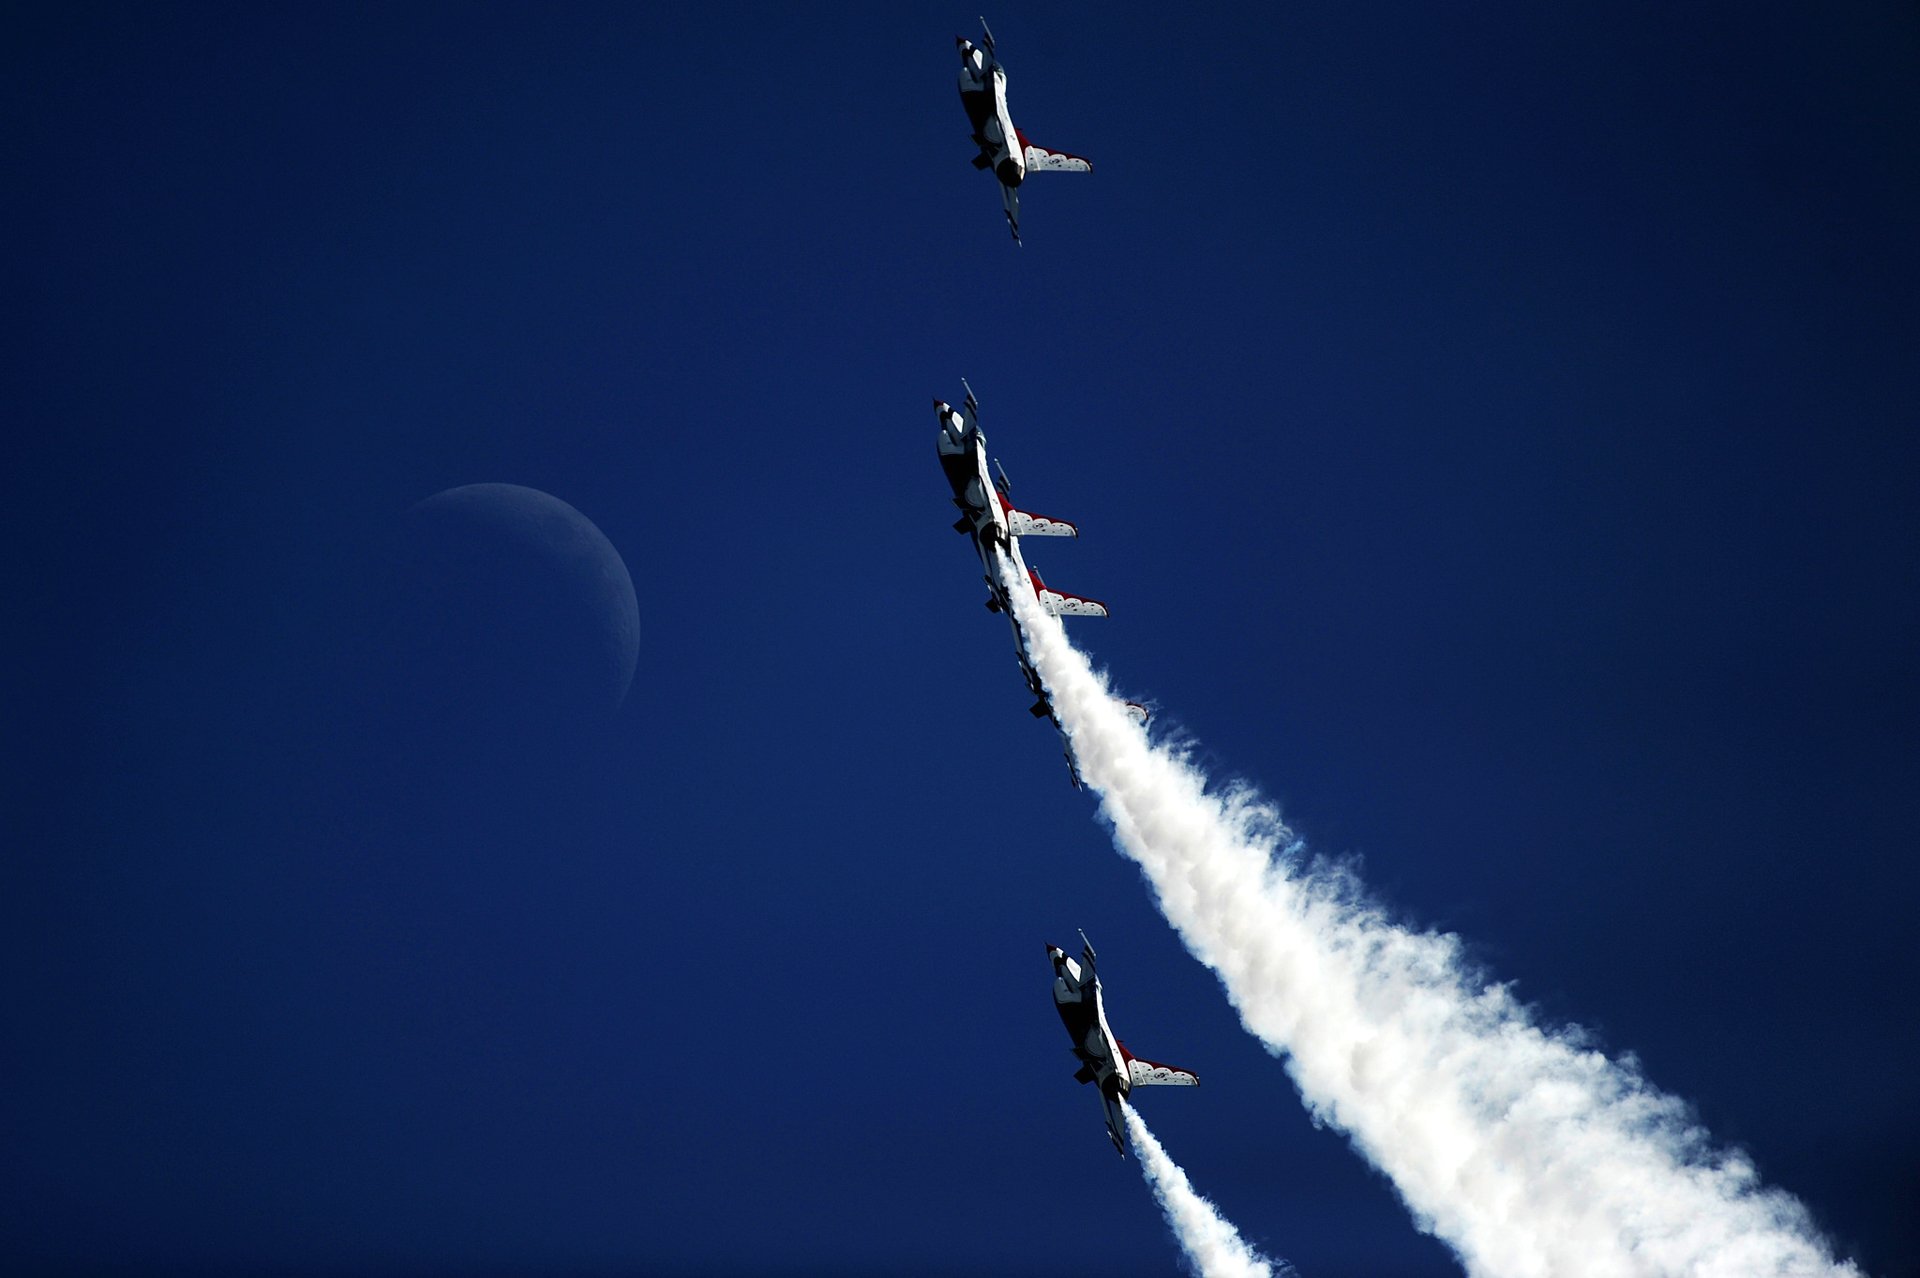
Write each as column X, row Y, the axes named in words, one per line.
column 1003, row 148
column 1104, row 1059
column 996, row 526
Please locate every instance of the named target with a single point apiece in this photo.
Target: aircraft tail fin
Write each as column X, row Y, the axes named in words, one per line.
column 1116, row 1123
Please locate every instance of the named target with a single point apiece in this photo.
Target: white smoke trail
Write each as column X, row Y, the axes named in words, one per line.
column 1213, row 1245
column 1528, row 1152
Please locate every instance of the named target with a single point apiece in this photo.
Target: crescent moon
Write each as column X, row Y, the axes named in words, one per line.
column 562, row 541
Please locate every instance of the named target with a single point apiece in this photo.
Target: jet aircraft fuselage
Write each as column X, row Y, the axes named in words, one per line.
column 983, row 92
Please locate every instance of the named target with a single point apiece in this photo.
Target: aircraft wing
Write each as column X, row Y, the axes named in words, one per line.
column 1041, row 160
column 1061, row 604
column 1025, row 524
column 1146, row 1073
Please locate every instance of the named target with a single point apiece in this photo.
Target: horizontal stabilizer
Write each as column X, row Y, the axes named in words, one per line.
column 1084, row 1074
column 1023, row 524
column 1145, row 1073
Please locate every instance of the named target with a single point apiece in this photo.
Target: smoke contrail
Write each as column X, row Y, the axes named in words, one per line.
column 1526, row 1150
column 1212, row 1244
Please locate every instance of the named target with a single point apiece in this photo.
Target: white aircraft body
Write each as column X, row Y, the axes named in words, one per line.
column 996, row 527
column 1103, row 1058
column 1003, row 148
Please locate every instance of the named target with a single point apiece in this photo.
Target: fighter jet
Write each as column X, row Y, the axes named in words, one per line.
column 989, row 516
column 1103, row 1058
column 1003, row 148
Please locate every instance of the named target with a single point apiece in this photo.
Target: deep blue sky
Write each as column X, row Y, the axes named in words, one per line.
column 1494, row 430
